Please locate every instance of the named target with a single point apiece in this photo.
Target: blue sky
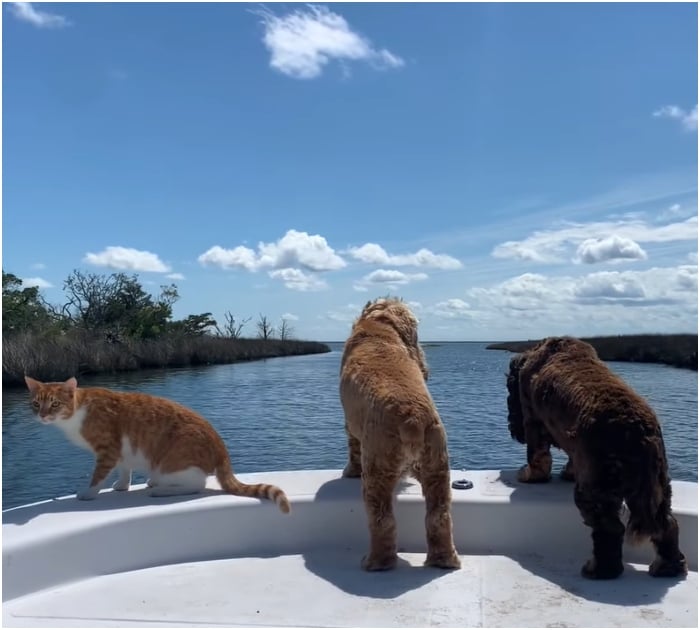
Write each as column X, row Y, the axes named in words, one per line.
column 512, row 171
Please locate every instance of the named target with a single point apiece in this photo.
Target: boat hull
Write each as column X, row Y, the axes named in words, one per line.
column 216, row 558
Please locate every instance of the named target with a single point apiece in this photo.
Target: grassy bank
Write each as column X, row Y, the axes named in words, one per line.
column 57, row 358
column 676, row 350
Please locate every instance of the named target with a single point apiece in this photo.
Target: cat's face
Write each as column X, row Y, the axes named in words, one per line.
column 52, row 401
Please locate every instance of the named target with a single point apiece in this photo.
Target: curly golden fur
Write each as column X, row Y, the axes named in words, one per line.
column 561, row 394
column 394, row 429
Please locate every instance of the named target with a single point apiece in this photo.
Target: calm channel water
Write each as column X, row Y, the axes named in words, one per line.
column 285, row 414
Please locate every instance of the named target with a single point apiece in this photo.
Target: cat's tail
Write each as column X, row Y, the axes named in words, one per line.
column 230, row 484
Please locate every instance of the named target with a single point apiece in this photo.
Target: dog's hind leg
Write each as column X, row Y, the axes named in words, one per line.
column 380, row 474
column 598, row 497
column 567, row 473
column 669, row 561
column 354, row 466
column 650, row 516
column 435, row 481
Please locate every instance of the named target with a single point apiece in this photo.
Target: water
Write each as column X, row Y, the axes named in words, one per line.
column 285, row 414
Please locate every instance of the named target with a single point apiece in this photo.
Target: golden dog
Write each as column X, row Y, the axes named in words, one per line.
column 394, row 429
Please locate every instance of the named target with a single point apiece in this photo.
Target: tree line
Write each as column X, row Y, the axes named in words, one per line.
column 118, row 306
column 108, row 323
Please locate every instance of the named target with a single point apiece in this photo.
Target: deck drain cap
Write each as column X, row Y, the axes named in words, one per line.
column 462, row 484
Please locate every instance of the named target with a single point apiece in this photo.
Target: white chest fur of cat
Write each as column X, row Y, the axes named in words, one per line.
column 73, row 426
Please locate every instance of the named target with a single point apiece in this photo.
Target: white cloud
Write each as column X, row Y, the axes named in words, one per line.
column 39, row 266
column 297, row 280
column 453, row 308
column 290, row 316
column 551, row 246
column 25, row 12
column 609, row 285
column 529, row 306
column 677, row 211
column 239, row 257
column 294, row 249
column 687, row 277
column 302, row 42
column 126, row 258
column 527, row 285
column 548, row 252
column 528, row 292
column 390, row 278
column 175, row 276
column 689, row 119
column 594, row 250
column 36, row 282
column 346, row 314
column 310, row 252
column 559, row 297
column 375, row 254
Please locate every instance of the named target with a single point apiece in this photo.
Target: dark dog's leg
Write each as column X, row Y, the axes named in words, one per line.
column 599, row 498
column 669, row 561
column 539, row 460
column 379, row 478
column 655, row 521
column 354, row 467
column 567, row 473
column 648, row 498
column 435, row 481
column 415, row 472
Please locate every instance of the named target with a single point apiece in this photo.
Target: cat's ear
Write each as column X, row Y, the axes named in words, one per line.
column 71, row 383
column 31, row 383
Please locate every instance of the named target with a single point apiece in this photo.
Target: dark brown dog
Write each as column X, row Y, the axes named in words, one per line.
column 560, row 394
column 394, row 429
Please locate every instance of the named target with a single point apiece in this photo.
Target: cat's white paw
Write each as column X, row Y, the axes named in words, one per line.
column 87, row 494
column 120, row 485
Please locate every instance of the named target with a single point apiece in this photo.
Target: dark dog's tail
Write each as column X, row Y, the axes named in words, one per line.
column 515, row 412
column 648, row 496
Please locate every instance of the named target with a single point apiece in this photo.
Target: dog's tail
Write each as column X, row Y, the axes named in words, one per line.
column 648, row 496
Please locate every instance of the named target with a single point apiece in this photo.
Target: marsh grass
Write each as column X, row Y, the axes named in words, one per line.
column 51, row 358
column 679, row 350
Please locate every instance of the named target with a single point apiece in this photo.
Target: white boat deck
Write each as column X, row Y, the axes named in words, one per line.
column 215, row 560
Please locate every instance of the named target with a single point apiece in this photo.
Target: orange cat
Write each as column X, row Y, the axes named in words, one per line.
column 132, row 431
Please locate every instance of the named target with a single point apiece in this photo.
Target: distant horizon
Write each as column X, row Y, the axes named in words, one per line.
column 511, row 170
column 422, row 342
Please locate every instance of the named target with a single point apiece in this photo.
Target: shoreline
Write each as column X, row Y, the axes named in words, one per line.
column 675, row 350
column 56, row 359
